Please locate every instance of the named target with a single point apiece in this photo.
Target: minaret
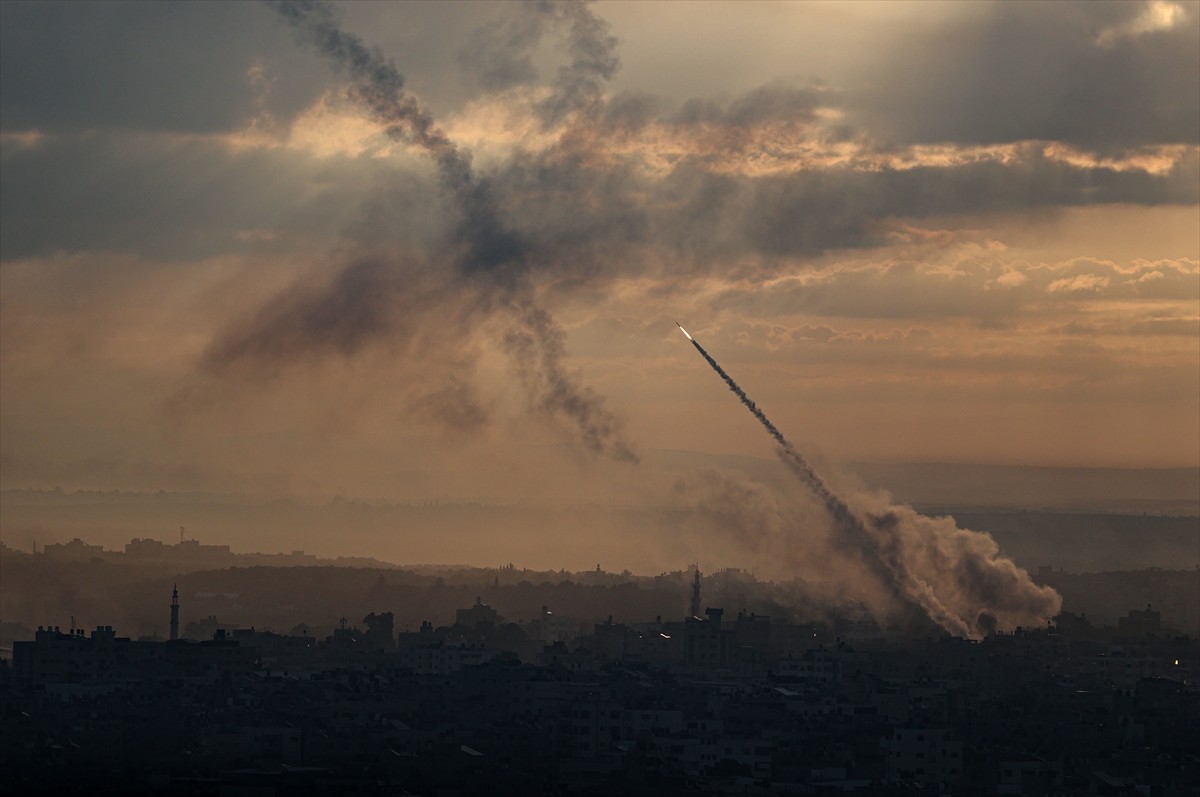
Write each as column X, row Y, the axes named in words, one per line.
column 175, row 613
column 696, row 593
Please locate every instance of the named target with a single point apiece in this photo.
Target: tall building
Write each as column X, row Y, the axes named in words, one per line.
column 695, row 607
column 175, row 612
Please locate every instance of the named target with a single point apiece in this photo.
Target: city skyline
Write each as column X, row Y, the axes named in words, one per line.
column 453, row 689
column 314, row 311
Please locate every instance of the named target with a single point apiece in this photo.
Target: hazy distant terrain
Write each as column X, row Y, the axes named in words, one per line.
column 1065, row 526
column 1109, row 490
column 1079, row 520
column 1087, row 542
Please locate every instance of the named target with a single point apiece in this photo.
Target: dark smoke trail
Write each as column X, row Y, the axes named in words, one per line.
column 493, row 260
column 790, row 454
column 378, row 85
column 970, row 574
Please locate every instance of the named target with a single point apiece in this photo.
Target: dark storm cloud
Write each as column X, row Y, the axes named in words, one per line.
column 148, row 66
column 565, row 203
column 572, row 211
column 1020, row 71
column 187, row 198
column 808, row 212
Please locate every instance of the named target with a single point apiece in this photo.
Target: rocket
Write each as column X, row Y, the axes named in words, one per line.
column 684, row 331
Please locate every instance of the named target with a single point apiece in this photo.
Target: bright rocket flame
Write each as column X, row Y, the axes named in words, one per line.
column 684, row 331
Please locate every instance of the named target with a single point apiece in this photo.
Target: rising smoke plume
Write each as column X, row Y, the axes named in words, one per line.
column 955, row 576
column 490, row 259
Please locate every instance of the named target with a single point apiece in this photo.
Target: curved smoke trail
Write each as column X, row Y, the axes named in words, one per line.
column 491, row 258
column 998, row 584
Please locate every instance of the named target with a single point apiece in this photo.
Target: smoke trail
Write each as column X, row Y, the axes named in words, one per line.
column 968, row 572
column 500, row 53
column 492, row 260
column 379, row 86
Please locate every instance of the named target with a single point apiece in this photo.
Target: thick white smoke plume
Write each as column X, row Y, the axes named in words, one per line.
column 955, row 576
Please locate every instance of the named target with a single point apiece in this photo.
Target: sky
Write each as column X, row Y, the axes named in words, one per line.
column 234, row 258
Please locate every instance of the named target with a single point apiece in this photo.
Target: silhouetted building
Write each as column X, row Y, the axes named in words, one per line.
column 379, row 634
column 479, row 613
column 551, row 627
column 706, row 644
column 175, row 612
column 1139, row 624
column 75, row 551
column 184, row 550
column 345, row 636
column 147, row 548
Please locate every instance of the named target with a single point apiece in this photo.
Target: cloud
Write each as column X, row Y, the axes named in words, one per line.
column 786, row 170
column 1156, row 15
column 1102, row 76
column 710, row 215
column 161, row 67
column 1080, row 282
column 177, row 197
column 961, row 282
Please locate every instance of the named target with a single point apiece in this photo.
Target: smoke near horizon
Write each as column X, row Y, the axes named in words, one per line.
column 955, row 576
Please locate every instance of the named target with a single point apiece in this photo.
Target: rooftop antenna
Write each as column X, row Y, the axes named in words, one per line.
column 181, row 533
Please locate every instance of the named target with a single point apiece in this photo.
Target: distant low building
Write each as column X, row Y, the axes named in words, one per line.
column 479, row 613
column 1139, row 624
column 77, row 657
column 75, row 551
column 184, row 550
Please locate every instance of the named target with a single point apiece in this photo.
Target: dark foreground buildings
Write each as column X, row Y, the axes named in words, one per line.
column 712, row 705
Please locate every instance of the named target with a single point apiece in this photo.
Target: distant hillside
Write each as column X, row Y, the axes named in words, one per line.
column 1123, row 490
column 1080, row 519
column 1087, row 542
